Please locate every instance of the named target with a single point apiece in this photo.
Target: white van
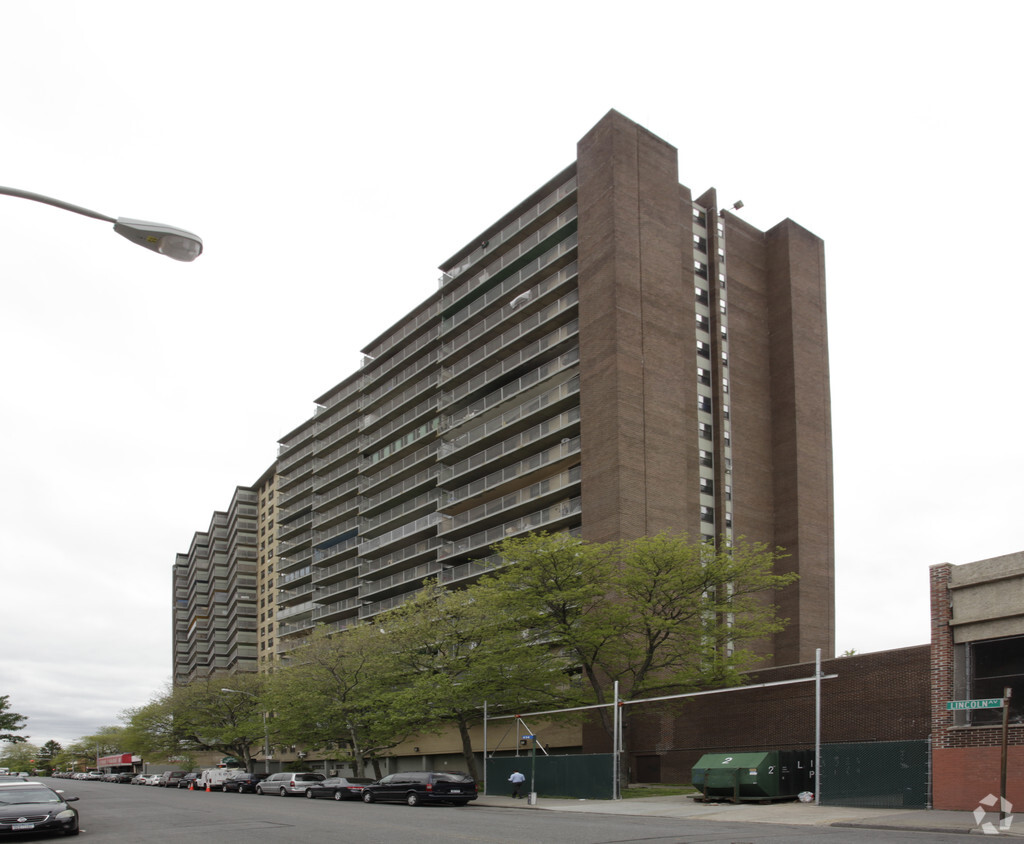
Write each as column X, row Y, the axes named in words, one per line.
column 214, row 778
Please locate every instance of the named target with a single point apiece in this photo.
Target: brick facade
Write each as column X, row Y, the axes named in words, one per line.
column 874, row 697
column 965, row 759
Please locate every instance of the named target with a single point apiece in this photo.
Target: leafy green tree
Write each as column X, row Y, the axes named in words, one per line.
column 10, row 722
column 658, row 614
column 338, row 694
column 20, row 757
column 202, row 716
column 48, row 755
column 458, row 649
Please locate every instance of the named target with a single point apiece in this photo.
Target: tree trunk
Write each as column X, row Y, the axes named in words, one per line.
column 467, row 749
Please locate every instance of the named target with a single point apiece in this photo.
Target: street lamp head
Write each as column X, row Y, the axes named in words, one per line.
column 173, row 242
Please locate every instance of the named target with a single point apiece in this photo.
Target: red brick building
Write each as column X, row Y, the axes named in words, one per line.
column 977, row 651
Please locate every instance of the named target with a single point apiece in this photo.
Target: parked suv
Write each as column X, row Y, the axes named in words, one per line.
column 286, row 783
column 415, row 787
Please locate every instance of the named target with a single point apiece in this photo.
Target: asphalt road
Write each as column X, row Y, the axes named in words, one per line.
column 130, row 814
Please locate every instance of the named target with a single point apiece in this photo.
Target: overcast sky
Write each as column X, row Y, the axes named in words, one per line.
column 332, row 156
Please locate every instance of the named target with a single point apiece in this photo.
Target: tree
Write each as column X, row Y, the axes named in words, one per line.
column 19, row 757
column 656, row 614
column 201, row 716
column 338, row 693
column 457, row 649
column 10, row 722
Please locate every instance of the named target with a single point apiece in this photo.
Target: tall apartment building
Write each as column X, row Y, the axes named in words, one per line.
column 214, row 587
column 613, row 357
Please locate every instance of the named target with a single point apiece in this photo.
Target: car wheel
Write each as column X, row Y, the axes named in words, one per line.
column 259, row 791
column 309, row 793
column 367, row 796
column 337, row 795
column 283, row 792
column 412, row 798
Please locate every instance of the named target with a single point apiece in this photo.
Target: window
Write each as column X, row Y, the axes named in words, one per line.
column 704, row 376
column 700, row 243
column 703, row 349
column 700, row 269
column 707, row 514
column 992, row 667
column 702, row 322
column 706, row 458
column 704, row 404
column 701, row 294
column 704, row 430
column 707, row 486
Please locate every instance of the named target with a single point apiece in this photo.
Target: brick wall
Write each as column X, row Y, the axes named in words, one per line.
column 879, row 696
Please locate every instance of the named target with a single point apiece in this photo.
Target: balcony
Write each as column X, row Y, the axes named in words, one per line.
column 561, row 427
column 400, row 535
column 550, row 518
column 401, row 557
column 472, row 340
column 402, row 581
column 512, row 504
column 514, row 228
column 395, row 472
column 509, row 258
column 412, row 485
column 409, row 509
column 513, row 419
column 551, row 345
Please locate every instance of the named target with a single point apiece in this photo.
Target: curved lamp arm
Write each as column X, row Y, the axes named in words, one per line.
column 179, row 244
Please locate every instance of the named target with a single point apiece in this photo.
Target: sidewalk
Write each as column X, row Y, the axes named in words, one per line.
column 790, row 812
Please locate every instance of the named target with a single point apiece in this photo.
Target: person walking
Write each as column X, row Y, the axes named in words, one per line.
column 517, row 780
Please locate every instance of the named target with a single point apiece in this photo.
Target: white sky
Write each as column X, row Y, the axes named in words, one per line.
column 332, row 156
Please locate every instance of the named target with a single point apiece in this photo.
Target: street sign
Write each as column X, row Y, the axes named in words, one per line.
column 981, row 703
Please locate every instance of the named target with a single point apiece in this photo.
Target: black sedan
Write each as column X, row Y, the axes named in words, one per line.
column 338, row 788
column 33, row 807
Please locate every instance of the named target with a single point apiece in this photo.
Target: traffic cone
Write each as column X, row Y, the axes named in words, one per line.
column 207, row 786
column 190, row 784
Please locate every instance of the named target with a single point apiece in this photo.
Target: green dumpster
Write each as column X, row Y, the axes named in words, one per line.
column 759, row 776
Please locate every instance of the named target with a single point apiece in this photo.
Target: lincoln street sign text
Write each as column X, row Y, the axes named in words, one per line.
column 984, row 703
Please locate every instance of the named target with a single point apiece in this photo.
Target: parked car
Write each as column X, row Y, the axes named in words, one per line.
column 157, row 779
column 190, row 780
column 338, row 788
column 34, row 807
column 140, row 779
column 123, row 777
column 172, row 778
column 243, row 781
column 415, row 787
column 286, row 783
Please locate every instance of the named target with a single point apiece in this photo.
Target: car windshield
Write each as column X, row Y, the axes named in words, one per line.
column 12, row 796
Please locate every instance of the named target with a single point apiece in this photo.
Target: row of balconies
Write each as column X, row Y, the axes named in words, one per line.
column 428, row 337
column 396, row 536
column 324, row 518
column 402, row 578
column 515, row 416
column 513, row 228
column 284, row 613
column 499, row 453
column 551, row 517
column 509, row 391
column 510, row 289
column 324, row 592
column 417, row 504
column 548, row 345
column 509, row 257
column 417, row 391
column 335, row 530
column 373, row 434
column 346, row 605
column 339, row 549
column 400, row 556
column 514, row 334
column 324, row 479
column 552, row 455
column 397, row 471
column 526, row 497
column 407, row 329
column 386, row 453
column 427, row 477
column 424, row 361
column 327, row 499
